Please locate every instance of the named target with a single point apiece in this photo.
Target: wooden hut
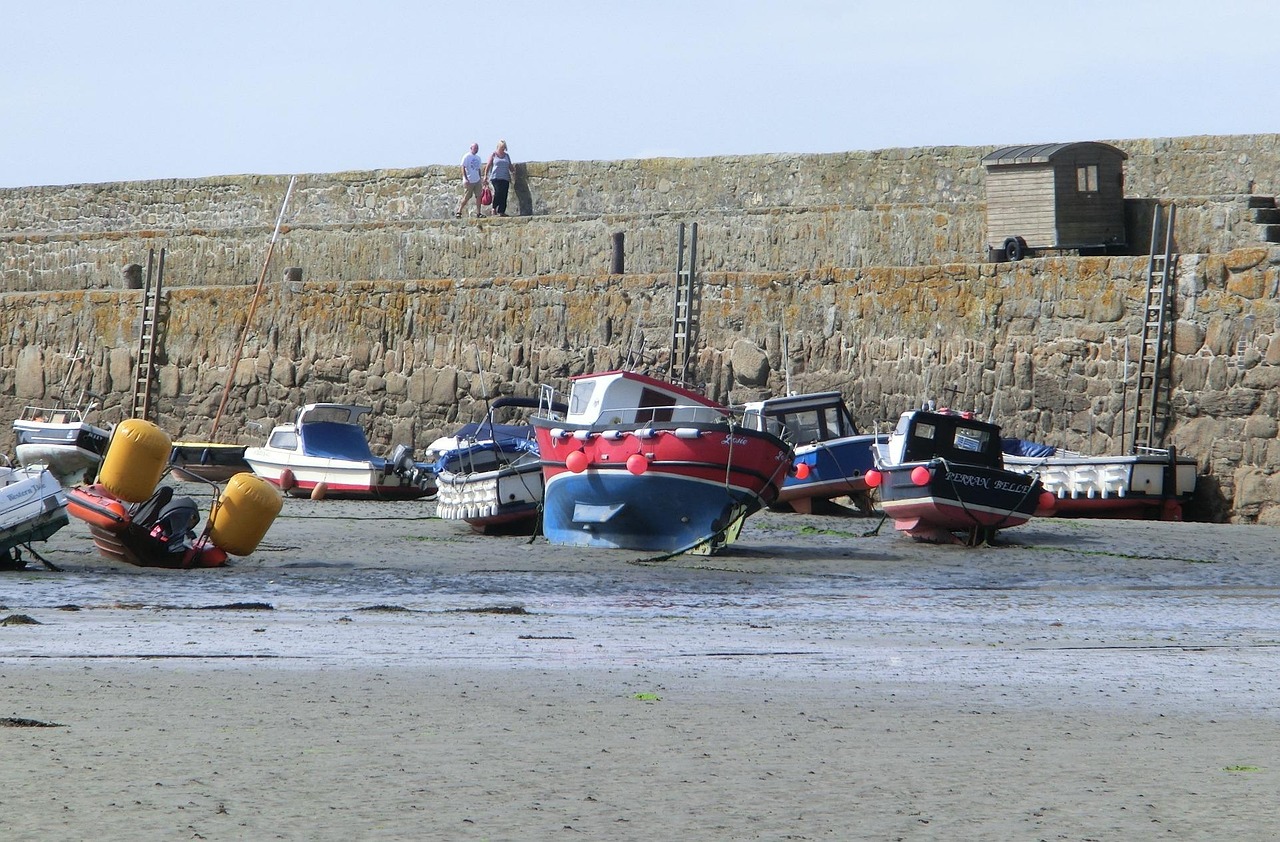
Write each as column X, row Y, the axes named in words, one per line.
column 1054, row 196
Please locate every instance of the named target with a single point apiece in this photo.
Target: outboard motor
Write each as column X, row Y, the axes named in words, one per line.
column 402, row 460
column 175, row 526
column 417, row 473
column 179, row 517
column 168, row 520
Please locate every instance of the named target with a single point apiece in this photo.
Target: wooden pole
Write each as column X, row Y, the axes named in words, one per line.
column 253, row 307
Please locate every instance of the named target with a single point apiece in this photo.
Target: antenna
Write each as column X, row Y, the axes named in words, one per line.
column 786, row 357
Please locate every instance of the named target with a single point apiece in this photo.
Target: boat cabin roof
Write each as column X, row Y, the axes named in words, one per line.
column 802, row 419
column 338, row 413
column 957, row 437
column 628, row 397
column 796, row 403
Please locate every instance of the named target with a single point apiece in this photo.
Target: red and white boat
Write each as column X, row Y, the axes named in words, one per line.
column 639, row 463
column 324, row 452
column 1149, row 484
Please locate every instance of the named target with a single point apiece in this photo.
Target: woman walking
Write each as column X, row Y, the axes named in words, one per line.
column 499, row 172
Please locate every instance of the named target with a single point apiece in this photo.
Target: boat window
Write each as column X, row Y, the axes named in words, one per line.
column 285, row 440
column 974, row 441
column 847, row 427
column 580, row 396
column 924, row 431
column 805, row 427
column 657, row 407
column 838, row 423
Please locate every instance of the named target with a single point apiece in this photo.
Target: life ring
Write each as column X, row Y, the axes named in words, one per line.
column 1015, row 248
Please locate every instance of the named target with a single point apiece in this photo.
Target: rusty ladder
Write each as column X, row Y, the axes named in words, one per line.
column 145, row 369
column 1151, row 403
column 688, row 308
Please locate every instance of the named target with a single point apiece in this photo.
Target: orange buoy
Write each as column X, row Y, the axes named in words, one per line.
column 135, row 460
column 243, row 513
column 320, row 490
column 287, row 480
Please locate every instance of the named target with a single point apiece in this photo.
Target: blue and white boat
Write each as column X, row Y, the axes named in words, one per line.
column 325, row 452
column 489, row 475
column 831, row 456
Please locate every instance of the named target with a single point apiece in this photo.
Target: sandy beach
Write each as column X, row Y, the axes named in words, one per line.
column 375, row 673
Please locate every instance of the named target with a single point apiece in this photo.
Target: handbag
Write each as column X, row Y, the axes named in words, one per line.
column 486, row 195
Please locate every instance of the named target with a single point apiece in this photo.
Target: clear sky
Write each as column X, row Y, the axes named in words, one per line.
column 115, row 90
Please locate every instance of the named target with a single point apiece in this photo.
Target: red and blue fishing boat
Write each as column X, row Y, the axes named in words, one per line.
column 639, row 463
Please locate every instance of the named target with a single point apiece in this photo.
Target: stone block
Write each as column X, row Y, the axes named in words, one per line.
column 29, row 377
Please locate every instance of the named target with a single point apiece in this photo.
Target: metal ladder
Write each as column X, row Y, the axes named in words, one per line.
column 145, row 370
column 1151, row 404
column 688, row 308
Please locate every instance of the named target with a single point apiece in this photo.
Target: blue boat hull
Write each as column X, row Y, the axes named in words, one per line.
column 836, row 467
column 656, row 511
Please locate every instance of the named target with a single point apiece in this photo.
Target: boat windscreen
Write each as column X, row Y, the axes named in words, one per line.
column 329, row 440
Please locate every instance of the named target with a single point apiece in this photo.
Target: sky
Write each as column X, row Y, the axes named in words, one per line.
column 94, row 91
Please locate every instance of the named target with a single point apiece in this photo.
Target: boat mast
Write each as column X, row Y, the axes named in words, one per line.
column 253, row 306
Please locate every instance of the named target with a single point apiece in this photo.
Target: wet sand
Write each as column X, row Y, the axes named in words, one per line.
column 386, row 675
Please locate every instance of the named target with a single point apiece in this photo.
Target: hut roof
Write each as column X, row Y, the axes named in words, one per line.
column 1042, row 153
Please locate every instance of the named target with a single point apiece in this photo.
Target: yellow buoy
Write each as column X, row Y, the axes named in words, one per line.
column 243, row 513
column 135, row 460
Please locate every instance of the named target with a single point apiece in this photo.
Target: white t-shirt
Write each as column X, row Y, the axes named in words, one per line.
column 471, row 167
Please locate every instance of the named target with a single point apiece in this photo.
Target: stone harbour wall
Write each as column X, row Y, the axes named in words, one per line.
column 1041, row 345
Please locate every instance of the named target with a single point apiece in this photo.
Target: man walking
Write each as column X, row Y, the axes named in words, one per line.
column 472, row 183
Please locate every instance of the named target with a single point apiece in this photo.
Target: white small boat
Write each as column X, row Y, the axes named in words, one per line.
column 61, row 439
column 324, row 452
column 33, row 506
column 1152, row 483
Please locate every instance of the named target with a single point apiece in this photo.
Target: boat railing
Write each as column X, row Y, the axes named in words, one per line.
column 547, row 403
column 59, row 413
column 52, row 415
column 666, row 414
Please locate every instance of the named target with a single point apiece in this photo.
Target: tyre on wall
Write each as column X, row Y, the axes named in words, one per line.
column 1015, row 248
